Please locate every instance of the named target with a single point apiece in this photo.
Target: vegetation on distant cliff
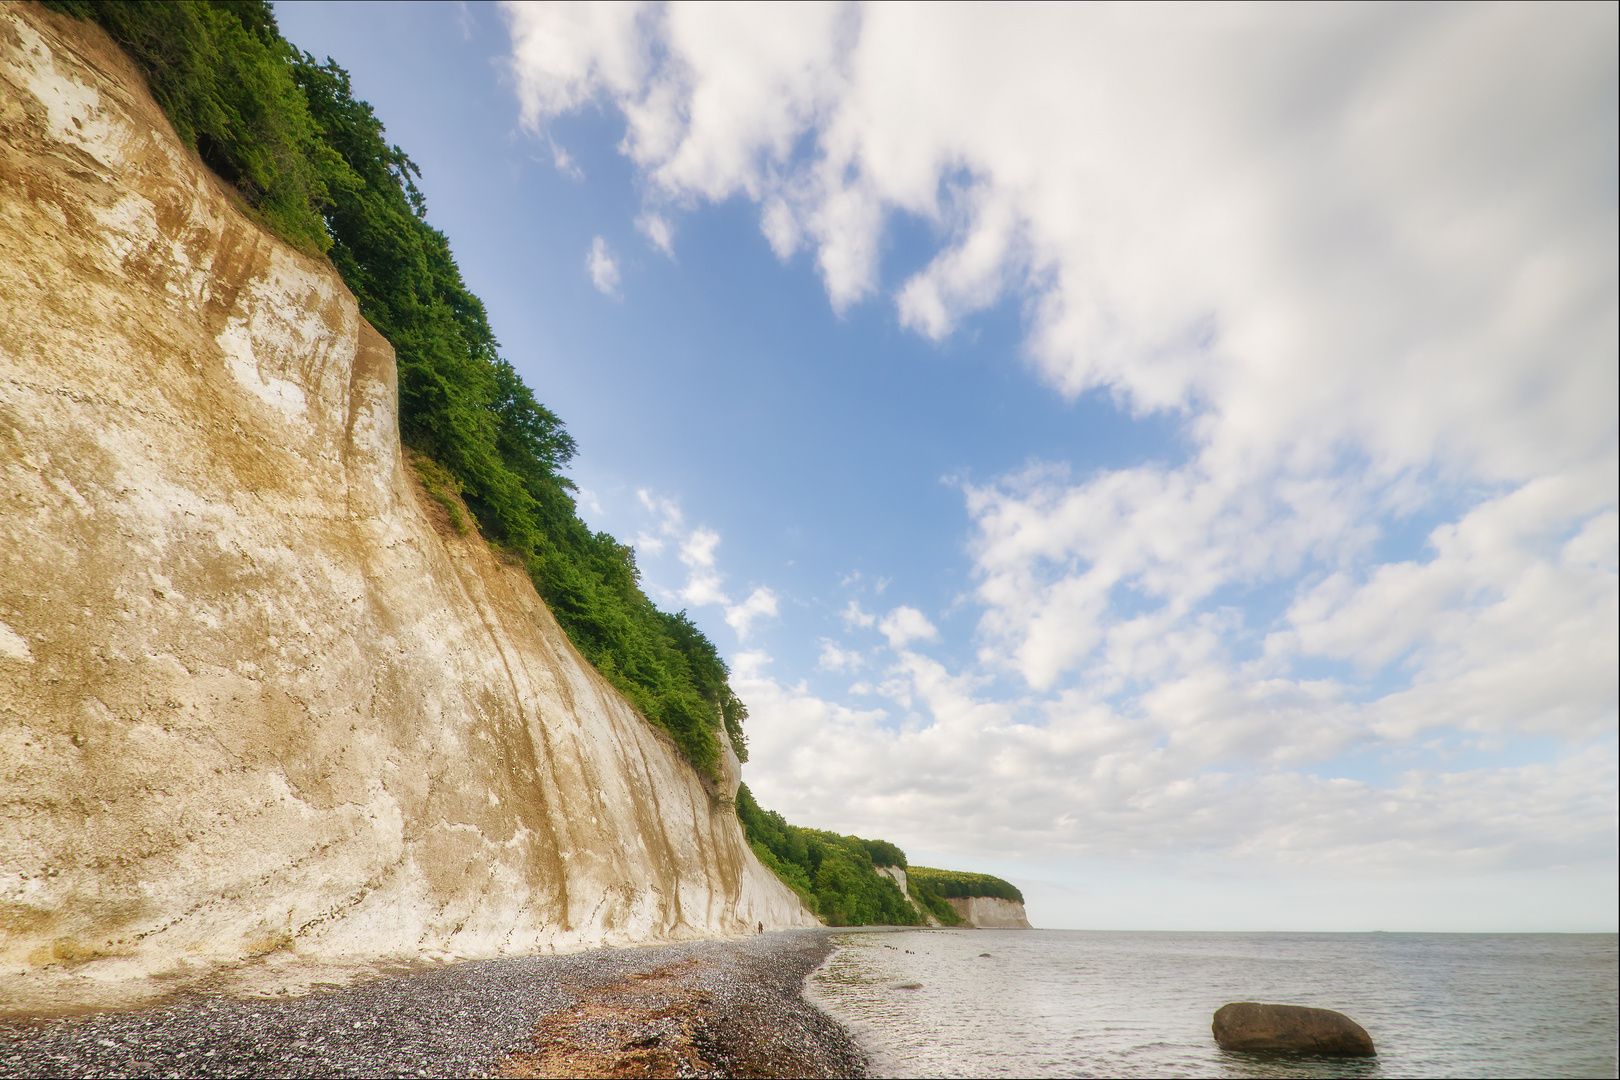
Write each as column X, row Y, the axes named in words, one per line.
column 958, row 884
column 838, row 879
column 836, row 876
column 929, row 901
column 311, row 163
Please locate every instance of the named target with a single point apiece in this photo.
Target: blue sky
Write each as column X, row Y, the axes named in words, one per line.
column 1165, row 458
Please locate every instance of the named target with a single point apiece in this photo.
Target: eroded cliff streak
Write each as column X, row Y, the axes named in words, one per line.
column 251, row 699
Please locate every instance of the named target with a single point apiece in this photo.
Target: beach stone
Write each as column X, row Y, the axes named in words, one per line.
column 1249, row 1025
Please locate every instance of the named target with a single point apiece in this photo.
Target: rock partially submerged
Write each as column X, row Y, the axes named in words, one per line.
column 1249, row 1025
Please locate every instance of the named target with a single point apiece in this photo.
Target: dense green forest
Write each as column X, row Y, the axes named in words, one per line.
column 311, row 165
column 838, row 879
column 836, row 876
column 957, row 884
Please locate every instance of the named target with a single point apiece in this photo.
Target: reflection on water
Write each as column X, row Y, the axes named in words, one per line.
column 1043, row 1003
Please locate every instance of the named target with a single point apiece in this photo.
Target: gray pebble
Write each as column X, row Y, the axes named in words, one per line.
column 747, row 1017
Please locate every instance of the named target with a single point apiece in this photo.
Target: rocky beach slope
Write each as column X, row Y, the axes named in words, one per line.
column 715, row 1008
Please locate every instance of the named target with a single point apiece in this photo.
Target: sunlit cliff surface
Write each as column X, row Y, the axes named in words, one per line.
column 257, row 696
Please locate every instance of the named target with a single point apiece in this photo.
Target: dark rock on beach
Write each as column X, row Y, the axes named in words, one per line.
column 1249, row 1025
column 700, row 1009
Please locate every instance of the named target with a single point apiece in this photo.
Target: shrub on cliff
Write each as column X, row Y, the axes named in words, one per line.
column 311, row 163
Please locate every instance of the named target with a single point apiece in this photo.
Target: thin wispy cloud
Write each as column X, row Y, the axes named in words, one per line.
column 564, row 163
column 696, row 548
column 854, row 616
column 658, row 231
column 835, row 657
column 602, row 267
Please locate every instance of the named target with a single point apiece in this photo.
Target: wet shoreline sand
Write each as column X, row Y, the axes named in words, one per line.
column 707, row 1008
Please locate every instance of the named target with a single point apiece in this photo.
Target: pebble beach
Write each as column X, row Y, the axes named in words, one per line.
column 696, row 1009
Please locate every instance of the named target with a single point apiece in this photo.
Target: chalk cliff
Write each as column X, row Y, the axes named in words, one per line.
column 255, row 698
column 894, row 874
column 990, row 912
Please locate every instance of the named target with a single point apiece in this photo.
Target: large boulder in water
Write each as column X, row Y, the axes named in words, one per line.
column 1249, row 1025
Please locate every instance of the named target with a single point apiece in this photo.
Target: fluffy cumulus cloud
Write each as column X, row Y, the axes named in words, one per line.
column 1363, row 255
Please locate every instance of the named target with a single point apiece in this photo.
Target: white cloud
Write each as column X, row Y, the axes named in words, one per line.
column 750, row 664
column 667, row 522
column 666, row 511
column 834, row 657
column 564, row 162
column 603, row 268
column 658, row 231
column 761, row 604
column 1230, row 209
column 702, row 580
column 853, row 616
column 563, row 54
column 704, row 584
column 1363, row 257
column 587, row 499
column 968, row 776
column 906, row 624
column 697, row 550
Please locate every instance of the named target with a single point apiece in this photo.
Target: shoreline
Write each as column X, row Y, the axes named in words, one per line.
column 722, row 1008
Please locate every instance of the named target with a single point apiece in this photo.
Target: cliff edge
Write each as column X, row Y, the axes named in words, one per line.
column 253, row 701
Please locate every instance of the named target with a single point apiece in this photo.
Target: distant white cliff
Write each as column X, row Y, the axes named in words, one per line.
column 990, row 912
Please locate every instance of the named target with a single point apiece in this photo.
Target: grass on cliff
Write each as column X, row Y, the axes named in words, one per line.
column 312, row 165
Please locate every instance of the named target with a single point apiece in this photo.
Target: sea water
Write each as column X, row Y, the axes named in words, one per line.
column 1041, row 1003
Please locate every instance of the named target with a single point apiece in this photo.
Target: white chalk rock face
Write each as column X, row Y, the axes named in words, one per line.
column 991, row 913
column 252, row 700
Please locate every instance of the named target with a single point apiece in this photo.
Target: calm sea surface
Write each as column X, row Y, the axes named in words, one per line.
column 1077, row 1003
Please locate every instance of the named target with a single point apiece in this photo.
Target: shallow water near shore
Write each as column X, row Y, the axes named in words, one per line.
column 1042, row 1003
